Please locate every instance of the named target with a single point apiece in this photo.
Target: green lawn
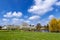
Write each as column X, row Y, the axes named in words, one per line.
column 18, row 35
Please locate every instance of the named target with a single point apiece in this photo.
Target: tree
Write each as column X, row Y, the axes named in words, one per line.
column 46, row 27
column 0, row 27
column 38, row 26
column 58, row 25
column 53, row 25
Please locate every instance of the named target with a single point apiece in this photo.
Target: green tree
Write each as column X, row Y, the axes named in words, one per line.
column 0, row 27
column 46, row 27
column 38, row 26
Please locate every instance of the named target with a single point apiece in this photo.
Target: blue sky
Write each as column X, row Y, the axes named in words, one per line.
column 30, row 11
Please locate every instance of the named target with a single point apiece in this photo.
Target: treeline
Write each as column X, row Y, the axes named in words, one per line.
column 52, row 26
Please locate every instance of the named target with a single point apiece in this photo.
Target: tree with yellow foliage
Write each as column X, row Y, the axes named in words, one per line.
column 53, row 25
column 58, row 25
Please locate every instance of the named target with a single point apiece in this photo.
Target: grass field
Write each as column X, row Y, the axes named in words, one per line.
column 18, row 35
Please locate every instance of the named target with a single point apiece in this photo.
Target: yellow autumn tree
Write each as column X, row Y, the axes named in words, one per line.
column 53, row 25
column 58, row 25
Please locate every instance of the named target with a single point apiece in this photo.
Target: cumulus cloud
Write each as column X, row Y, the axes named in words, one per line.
column 41, row 7
column 51, row 16
column 17, row 14
column 58, row 3
column 4, row 19
column 35, row 17
column 13, row 14
column 27, row 21
column 15, row 21
column 18, row 21
column 8, row 14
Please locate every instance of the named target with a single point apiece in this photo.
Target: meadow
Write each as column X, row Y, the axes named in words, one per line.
column 21, row 35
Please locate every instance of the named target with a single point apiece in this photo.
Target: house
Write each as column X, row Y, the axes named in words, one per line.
column 26, row 26
column 10, row 27
column 43, row 29
column 4, row 27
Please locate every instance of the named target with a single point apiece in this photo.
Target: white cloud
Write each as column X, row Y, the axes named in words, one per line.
column 17, row 14
column 58, row 3
column 51, row 16
column 17, row 21
column 13, row 14
column 27, row 21
column 4, row 19
column 8, row 14
column 13, row 21
column 34, row 17
column 41, row 7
